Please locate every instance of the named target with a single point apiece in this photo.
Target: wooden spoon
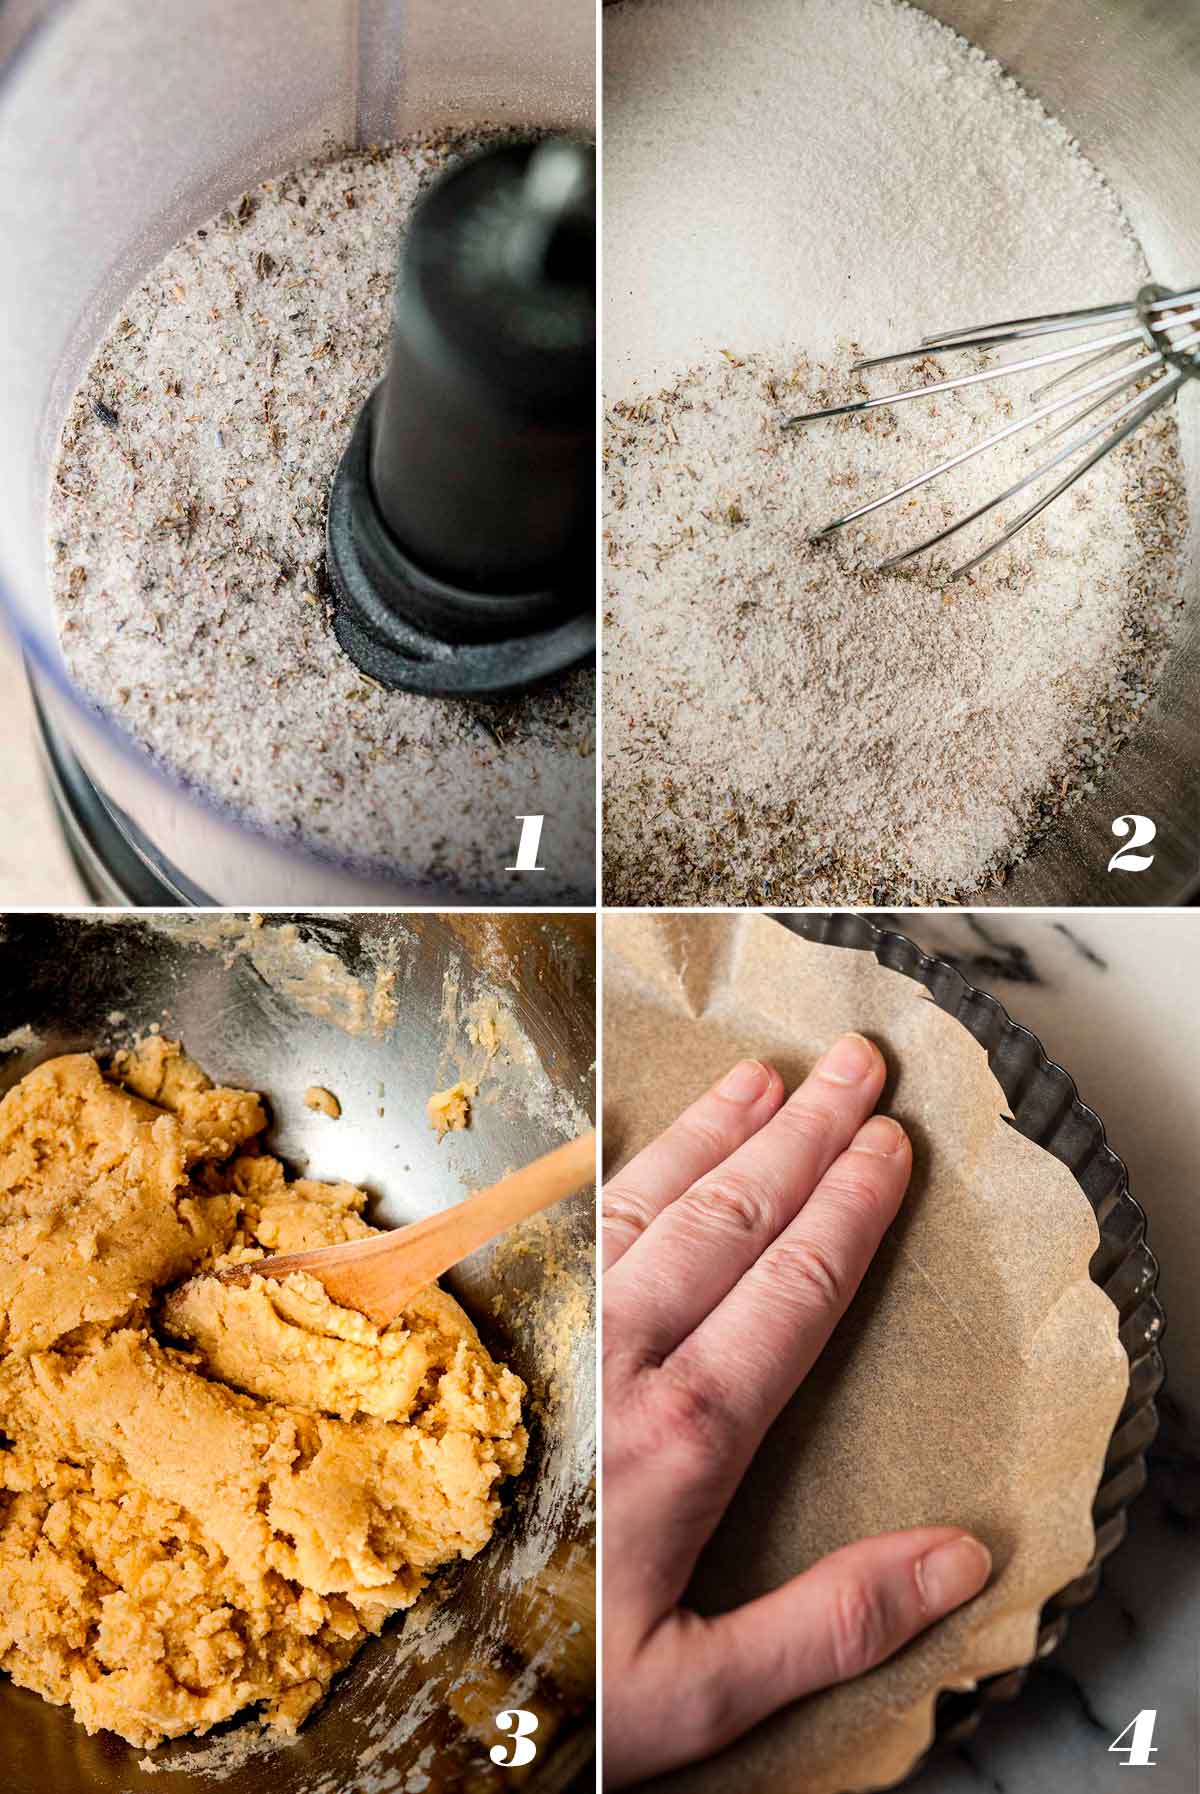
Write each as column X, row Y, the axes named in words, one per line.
column 381, row 1275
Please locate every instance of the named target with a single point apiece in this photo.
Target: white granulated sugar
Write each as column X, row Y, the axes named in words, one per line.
column 789, row 183
column 187, row 517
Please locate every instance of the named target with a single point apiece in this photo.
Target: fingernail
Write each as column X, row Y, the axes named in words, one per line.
column 848, row 1061
column 951, row 1573
column 746, row 1081
column 881, row 1136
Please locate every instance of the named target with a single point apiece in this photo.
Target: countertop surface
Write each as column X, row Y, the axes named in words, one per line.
column 1115, row 998
column 36, row 871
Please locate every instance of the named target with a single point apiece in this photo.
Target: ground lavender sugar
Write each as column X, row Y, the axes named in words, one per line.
column 187, row 517
column 784, row 724
column 788, row 185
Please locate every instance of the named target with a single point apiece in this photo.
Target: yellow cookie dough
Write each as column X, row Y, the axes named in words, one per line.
column 317, row 1097
column 451, row 1109
column 195, row 1521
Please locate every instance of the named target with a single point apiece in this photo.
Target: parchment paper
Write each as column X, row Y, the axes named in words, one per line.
column 975, row 1380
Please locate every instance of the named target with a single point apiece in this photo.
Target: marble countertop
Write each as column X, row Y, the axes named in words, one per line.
column 1115, row 998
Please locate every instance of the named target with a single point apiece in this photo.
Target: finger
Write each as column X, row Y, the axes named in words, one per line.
column 694, row 1251
column 849, row 1612
column 751, row 1354
column 707, row 1132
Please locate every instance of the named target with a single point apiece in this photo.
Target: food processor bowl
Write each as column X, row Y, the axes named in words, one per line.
column 124, row 124
column 293, row 1002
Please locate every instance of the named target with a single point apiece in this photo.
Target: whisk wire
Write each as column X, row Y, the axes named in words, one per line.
column 1165, row 359
column 1041, row 321
column 990, row 340
column 1114, row 381
column 1165, row 390
column 1133, row 377
column 1051, row 321
column 1089, row 361
column 1140, row 402
column 924, row 392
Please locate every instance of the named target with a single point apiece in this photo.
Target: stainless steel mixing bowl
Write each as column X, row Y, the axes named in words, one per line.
column 259, row 1008
column 1124, row 77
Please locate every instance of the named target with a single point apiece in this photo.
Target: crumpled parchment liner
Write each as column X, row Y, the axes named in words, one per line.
column 975, row 1380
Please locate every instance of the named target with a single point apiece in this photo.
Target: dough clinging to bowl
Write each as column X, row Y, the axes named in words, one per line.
column 174, row 1547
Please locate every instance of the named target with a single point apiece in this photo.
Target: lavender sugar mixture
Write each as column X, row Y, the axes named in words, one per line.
column 783, row 723
column 896, row 738
column 187, row 518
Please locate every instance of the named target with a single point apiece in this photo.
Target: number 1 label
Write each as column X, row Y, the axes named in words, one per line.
column 527, row 846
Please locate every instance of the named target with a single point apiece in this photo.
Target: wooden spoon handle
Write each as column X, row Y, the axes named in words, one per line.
column 438, row 1242
column 381, row 1275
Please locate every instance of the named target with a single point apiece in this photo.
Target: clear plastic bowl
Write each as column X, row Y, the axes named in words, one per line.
column 123, row 125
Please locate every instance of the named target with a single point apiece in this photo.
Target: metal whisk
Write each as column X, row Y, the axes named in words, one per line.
column 1159, row 327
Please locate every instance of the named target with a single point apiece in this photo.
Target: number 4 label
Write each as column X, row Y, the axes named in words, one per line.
column 1141, row 1748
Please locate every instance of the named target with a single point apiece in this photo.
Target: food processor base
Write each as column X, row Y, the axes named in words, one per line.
column 392, row 618
column 119, row 868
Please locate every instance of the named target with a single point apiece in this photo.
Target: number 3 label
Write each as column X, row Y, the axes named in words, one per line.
column 1125, row 859
column 520, row 1724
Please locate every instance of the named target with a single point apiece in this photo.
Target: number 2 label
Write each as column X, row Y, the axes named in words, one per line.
column 1143, row 832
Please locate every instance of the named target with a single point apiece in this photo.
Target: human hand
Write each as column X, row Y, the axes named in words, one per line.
column 733, row 1244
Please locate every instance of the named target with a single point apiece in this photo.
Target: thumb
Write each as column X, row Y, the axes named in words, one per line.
column 840, row 1618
